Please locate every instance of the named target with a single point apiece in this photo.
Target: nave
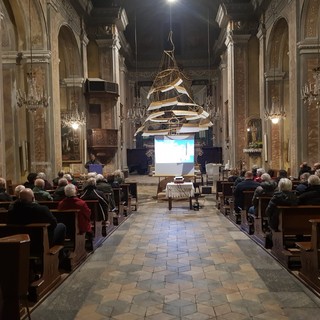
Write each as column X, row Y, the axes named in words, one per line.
column 179, row 264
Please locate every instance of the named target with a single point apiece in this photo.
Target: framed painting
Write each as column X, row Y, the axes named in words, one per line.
column 71, row 144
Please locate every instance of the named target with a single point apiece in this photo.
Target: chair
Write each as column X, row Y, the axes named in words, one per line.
column 212, row 173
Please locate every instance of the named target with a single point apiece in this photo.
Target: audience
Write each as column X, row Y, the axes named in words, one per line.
column 260, row 172
column 266, row 188
column 302, row 186
column 39, row 193
column 71, row 201
column 233, row 176
column 55, row 181
column 30, row 180
column 90, row 192
column 104, row 186
column 26, row 211
column 4, row 196
column 281, row 174
column 59, row 192
column 283, row 197
column 311, row 195
column 304, row 168
column 247, row 184
column 47, row 184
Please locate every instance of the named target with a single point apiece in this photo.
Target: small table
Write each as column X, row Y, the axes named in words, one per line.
column 179, row 190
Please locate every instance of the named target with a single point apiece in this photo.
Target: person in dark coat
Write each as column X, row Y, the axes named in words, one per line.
column 311, row 196
column 247, row 184
column 90, row 192
column 104, row 186
column 304, row 168
column 32, row 176
column 4, row 196
column 284, row 197
column 26, row 211
column 266, row 188
column 303, row 184
column 59, row 194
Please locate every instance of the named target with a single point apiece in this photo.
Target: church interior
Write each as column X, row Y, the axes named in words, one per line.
column 83, row 77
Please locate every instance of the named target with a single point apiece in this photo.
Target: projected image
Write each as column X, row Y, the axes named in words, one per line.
column 174, row 155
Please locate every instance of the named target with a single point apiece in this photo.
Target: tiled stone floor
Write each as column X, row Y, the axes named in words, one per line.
column 179, row 264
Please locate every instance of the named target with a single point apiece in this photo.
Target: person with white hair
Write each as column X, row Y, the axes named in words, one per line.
column 266, row 188
column 311, row 196
column 260, row 172
column 47, row 184
column 59, row 194
column 90, row 192
column 39, row 193
column 4, row 196
column 283, row 197
column 72, row 202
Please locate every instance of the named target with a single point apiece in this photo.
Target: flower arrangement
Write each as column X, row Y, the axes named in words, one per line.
column 255, row 145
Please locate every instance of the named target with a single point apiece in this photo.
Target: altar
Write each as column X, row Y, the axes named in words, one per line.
column 179, row 191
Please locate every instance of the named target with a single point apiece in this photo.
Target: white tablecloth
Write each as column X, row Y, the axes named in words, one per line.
column 179, row 190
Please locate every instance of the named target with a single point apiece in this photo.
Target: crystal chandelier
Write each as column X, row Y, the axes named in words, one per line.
column 34, row 98
column 276, row 111
column 73, row 118
column 310, row 93
column 209, row 106
column 137, row 112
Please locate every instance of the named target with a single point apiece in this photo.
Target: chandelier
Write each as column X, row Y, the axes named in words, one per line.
column 310, row 93
column 209, row 106
column 137, row 112
column 34, row 98
column 276, row 112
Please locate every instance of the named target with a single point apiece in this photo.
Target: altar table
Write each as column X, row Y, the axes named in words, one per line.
column 178, row 191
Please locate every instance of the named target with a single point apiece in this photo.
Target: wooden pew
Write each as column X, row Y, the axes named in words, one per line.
column 246, row 224
column 118, row 202
column 294, row 226
column 14, row 278
column 98, row 224
column 44, row 261
column 260, row 221
column 310, row 257
column 5, row 204
column 218, row 193
column 133, row 189
column 75, row 241
column 226, row 197
column 125, row 188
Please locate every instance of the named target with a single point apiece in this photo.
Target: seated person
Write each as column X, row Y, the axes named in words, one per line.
column 281, row 174
column 17, row 191
column 284, row 197
column 90, row 192
column 47, row 184
column 39, row 193
column 234, row 174
column 59, row 192
column 311, row 196
column 118, row 176
column 247, row 184
column 260, row 172
column 303, row 185
column 4, row 196
column 56, row 180
column 104, row 186
column 30, row 180
column 304, row 167
column 72, row 202
column 240, row 177
column 26, row 211
column 266, row 188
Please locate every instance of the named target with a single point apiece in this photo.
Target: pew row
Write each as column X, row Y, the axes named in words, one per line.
column 75, row 241
column 246, row 224
column 14, row 280
column 310, row 257
column 44, row 272
column 294, row 226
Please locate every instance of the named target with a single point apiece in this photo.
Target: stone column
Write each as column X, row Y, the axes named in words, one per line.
column 237, row 57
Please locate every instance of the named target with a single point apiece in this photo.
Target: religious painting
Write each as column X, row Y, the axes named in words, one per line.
column 71, row 146
column 254, row 130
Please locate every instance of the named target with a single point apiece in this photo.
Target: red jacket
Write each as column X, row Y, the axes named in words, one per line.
column 75, row 203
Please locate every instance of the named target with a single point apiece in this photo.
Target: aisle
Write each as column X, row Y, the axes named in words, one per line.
column 179, row 265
